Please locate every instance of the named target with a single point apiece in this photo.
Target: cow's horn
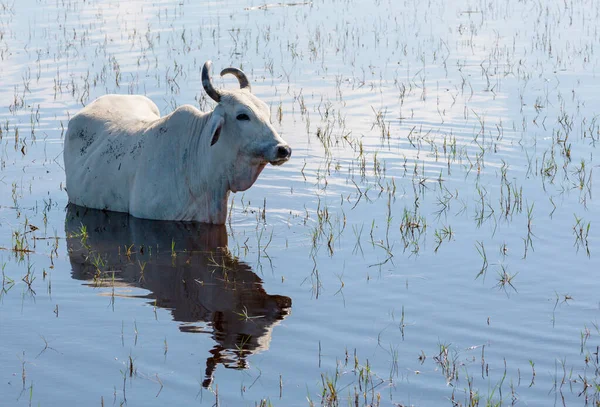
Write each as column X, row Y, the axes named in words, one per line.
column 206, row 82
column 241, row 77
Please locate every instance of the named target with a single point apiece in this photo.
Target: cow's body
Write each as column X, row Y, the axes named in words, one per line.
column 124, row 157
column 120, row 155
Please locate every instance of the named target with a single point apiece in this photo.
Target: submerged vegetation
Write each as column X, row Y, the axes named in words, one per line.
column 436, row 228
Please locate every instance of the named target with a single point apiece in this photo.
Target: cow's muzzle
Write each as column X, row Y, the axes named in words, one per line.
column 282, row 153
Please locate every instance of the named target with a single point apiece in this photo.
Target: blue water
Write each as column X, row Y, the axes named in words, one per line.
column 424, row 135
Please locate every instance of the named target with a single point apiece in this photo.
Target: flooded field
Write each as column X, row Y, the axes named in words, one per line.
column 433, row 240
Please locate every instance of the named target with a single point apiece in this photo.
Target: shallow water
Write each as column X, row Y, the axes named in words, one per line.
column 433, row 240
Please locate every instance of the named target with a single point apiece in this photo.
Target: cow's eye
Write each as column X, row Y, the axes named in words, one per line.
column 243, row 116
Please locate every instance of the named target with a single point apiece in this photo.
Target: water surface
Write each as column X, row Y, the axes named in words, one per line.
column 433, row 240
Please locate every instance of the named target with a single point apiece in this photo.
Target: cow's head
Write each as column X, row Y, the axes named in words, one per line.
column 241, row 124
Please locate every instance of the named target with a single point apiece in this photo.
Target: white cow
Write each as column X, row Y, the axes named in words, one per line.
column 120, row 155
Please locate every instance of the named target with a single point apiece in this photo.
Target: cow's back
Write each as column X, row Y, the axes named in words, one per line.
column 102, row 143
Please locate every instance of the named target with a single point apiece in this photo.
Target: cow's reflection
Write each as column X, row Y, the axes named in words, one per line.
column 187, row 269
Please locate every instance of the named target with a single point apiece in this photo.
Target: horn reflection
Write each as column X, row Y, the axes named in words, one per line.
column 187, row 269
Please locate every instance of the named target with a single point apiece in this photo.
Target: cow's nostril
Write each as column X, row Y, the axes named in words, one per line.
column 284, row 152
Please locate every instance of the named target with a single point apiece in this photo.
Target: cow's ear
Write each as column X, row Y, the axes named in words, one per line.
column 216, row 129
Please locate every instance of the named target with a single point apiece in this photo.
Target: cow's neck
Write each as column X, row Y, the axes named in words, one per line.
column 206, row 173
